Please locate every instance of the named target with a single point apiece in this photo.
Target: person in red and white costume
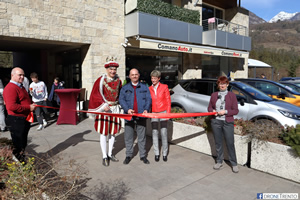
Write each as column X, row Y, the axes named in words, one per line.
column 104, row 98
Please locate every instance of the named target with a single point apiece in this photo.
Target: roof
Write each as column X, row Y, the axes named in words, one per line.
column 257, row 63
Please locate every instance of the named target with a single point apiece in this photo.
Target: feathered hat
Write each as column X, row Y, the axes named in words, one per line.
column 111, row 63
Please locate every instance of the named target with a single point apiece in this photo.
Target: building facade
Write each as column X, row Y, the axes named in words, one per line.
column 72, row 39
column 67, row 38
column 217, row 45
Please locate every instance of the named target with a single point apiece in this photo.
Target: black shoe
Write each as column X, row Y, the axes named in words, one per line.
column 105, row 162
column 165, row 158
column 156, row 158
column 145, row 160
column 113, row 158
column 127, row 160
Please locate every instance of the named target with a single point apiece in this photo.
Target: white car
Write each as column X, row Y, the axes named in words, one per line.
column 193, row 96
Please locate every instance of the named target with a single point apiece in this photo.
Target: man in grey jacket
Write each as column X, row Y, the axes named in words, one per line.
column 135, row 98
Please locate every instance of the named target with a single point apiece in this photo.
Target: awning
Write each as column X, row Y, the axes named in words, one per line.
column 256, row 63
column 252, row 63
column 188, row 48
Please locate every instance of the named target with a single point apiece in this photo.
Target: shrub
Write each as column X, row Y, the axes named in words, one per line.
column 38, row 179
column 49, row 178
column 262, row 129
column 291, row 137
column 5, row 157
column 160, row 8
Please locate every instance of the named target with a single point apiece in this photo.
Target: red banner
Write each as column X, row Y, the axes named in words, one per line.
column 146, row 115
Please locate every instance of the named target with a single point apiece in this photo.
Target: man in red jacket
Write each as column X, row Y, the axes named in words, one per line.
column 161, row 103
column 18, row 106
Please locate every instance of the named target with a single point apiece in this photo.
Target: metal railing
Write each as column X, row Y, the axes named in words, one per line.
column 223, row 25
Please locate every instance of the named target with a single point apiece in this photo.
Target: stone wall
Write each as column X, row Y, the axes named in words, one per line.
column 99, row 24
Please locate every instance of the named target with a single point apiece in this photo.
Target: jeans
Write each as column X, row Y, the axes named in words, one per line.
column 40, row 110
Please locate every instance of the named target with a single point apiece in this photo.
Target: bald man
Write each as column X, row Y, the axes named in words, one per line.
column 135, row 98
column 18, row 106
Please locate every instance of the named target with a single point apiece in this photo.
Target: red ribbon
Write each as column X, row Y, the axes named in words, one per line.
column 147, row 115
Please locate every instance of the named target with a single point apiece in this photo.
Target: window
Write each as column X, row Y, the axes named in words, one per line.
column 209, row 12
column 239, row 94
column 200, row 88
column 268, row 88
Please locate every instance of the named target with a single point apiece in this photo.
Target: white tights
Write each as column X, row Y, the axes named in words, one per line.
column 103, row 141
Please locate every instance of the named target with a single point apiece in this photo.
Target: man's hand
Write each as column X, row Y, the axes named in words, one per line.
column 145, row 111
column 106, row 108
column 32, row 107
column 130, row 112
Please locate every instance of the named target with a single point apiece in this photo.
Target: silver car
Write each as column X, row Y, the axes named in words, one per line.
column 194, row 95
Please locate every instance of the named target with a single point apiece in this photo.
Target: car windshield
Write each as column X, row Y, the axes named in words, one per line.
column 287, row 87
column 255, row 93
column 291, row 86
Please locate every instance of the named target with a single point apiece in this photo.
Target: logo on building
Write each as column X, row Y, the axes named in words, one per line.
column 224, row 53
column 174, row 48
column 208, row 52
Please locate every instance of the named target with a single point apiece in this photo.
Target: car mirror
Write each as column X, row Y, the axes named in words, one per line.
column 241, row 100
column 281, row 95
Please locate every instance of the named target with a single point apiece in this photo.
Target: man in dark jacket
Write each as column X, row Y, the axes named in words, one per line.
column 135, row 98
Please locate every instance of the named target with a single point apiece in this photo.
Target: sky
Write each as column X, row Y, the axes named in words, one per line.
column 267, row 9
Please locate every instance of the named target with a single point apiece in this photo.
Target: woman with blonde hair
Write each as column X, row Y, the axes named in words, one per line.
column 161, row 103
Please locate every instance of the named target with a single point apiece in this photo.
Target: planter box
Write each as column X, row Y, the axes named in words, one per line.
column 197, row 139
column 264, row 155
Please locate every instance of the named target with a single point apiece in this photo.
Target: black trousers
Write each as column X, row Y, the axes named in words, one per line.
column 19, row 128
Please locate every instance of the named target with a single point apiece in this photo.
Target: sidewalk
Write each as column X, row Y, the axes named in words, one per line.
column 187, row 174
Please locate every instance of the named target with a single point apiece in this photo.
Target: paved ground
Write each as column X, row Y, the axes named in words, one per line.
column 186, row 175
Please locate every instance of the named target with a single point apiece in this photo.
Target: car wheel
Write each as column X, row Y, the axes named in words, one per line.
column 177, row 109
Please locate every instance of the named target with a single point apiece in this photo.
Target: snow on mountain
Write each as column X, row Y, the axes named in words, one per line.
column 282, row 16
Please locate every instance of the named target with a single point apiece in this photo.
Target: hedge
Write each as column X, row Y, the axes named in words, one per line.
column 159, row 8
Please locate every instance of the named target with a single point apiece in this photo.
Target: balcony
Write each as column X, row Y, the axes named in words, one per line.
column 221, row 33
column 152, row 26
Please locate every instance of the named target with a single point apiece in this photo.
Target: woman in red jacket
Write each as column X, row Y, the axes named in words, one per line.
column 225, row 104
column 161, row 103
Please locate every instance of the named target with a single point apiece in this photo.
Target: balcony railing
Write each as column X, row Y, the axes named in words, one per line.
column 223, row 25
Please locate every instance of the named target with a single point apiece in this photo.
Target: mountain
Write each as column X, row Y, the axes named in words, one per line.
column 283, row 16
column 254, row 19
column 280, row 35
column 296, row 17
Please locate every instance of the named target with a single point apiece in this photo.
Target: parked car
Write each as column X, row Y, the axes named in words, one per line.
column 193, row 96
column 274, row 90
column 290, row 79
column 291, row 85
column 295, row 82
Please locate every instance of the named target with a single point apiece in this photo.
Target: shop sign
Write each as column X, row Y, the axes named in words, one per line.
column 175, row 48
column 192, row 49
